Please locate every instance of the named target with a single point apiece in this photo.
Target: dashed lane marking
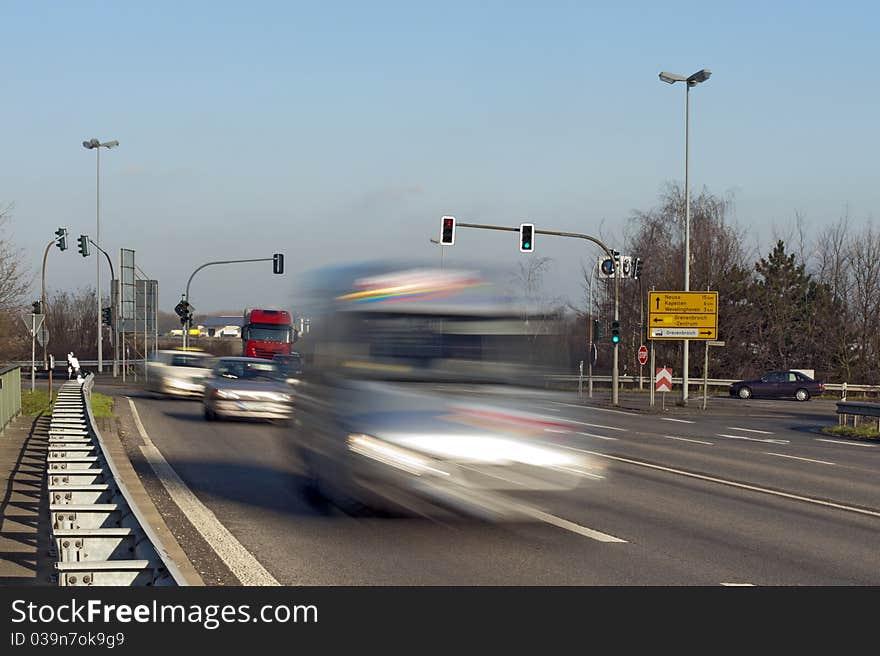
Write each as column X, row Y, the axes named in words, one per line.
column 783, row 455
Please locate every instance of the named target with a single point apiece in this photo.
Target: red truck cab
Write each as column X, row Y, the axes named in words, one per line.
column 266, row 333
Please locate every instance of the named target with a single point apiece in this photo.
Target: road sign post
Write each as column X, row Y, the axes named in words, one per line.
column 706, row 369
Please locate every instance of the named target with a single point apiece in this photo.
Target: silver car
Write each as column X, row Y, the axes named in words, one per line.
column 248, row 388
column 178, row 373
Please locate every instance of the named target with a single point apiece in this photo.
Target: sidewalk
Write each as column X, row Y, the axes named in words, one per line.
column 24, row 504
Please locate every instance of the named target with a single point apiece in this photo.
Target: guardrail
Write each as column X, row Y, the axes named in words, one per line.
column 10, row 394
column 633, row 380
column 855, row 410
column 99, row 534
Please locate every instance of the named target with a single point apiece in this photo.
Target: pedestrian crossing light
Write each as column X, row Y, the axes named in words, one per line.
column 61, row 239
column 278, row 263
column 526, row 237
column 615, row 332
column 83, row 245
column 447, row 231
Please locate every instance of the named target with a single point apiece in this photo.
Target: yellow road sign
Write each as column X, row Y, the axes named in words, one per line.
column 683, row 302
column 683, row 315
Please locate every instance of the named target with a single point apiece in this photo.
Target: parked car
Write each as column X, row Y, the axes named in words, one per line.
column 178, row 373
column 252, row 388
column 778, row 384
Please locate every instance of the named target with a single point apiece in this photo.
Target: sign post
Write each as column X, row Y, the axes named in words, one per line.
column 643, row 360
column 706, row 369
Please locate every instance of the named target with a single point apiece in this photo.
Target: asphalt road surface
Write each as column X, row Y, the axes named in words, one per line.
column 747, row 494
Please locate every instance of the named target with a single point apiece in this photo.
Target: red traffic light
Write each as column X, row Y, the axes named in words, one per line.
column 447, row 231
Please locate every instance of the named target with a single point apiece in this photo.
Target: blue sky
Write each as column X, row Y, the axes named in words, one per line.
column 340, row 131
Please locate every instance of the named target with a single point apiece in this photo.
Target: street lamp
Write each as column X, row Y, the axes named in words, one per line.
column 691, row 81
column 96, row 145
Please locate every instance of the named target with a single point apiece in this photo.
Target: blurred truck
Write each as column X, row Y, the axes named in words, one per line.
column 266, row 333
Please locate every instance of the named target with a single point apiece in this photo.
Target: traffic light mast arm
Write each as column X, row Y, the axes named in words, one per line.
column 109, row 261
column 577, row 235
column 207, row 264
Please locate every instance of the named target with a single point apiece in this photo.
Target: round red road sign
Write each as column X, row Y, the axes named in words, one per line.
column 643, row 354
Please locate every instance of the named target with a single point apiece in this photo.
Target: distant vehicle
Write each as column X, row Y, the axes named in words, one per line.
column 778, row 384
column 291, row 366
column 417, row 397
column 252, row 388
column 178, row 373
column 266, row 333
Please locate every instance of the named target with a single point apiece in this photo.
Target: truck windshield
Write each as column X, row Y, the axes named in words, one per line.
column 267, row 332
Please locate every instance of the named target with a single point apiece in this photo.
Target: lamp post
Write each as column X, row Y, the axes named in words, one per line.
column 96, row 145
column 693, row 80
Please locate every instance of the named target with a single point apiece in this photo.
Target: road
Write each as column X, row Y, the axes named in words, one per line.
column 747, row 494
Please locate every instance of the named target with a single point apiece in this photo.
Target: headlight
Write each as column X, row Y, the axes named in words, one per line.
column 389, row 454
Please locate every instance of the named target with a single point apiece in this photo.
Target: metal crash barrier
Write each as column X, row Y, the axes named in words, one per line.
column 99, row 535
column 856, row 409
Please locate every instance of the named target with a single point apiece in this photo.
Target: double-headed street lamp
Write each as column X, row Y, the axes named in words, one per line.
column 691, row 81
column 96, row 145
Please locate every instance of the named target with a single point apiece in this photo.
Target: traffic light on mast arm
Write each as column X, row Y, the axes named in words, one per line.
column 61, row 239
column 527, row 237
column 83, row 245
column 447, row 231
column 615, row 332
column 278, row 263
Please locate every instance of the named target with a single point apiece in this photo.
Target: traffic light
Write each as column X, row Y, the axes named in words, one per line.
column 38, row 307
column 637, row 268
column 84, row 245
column 278, row 263
column 615, row 332
column 107, row 316
column 61, row 242
column 447, row 231
column 597, row 330
column 526, row 237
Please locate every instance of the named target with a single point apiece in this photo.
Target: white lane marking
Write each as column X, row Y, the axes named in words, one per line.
column 685, row 439
column 782, row 455
column 544, row 407
column 583, row 423
column 591, row 407
column 870, row 446
column 680, row 421
column 750, row 430
column 601, row 437
column 569, row 526
column 239, row 560
column 743, row 486
column 753, row 439
column 738, row 585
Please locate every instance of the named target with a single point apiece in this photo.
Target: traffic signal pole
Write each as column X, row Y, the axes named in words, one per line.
column 113, row 338
column 278, row 267
column 615, row 380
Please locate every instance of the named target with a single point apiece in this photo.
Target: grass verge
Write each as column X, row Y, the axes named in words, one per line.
column 36, row 402
column 102, row 405
column 860, row 433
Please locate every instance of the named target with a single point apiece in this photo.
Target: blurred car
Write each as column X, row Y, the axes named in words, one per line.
column 778, row 384
column 252, row 388
column 178, row 373
column 291, row 366
column 416, row 401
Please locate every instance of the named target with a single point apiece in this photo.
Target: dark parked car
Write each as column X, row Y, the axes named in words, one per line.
column 778, row 384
